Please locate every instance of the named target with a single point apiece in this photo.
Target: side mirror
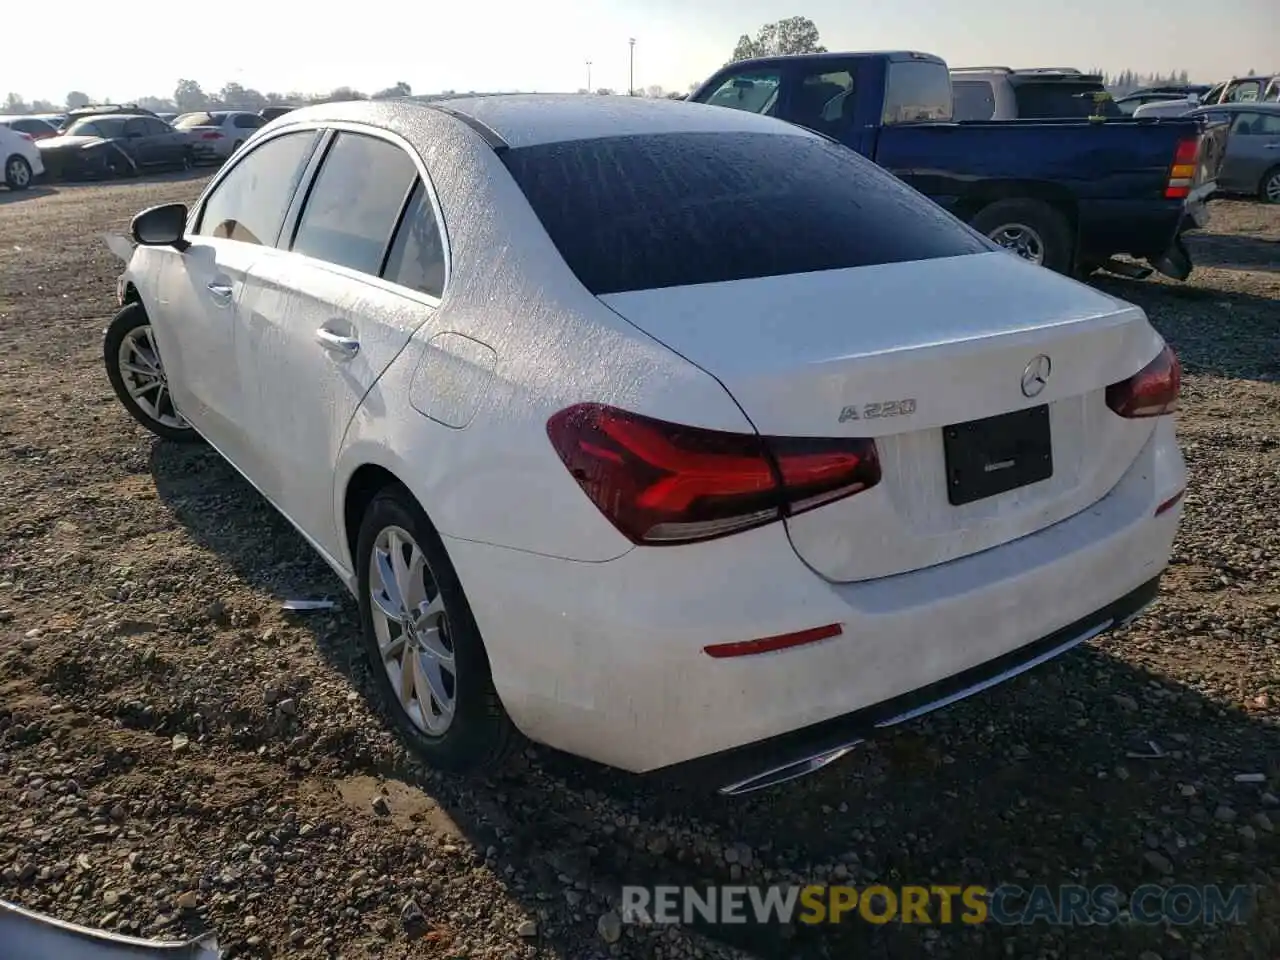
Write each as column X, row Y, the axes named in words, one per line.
column 161, row 226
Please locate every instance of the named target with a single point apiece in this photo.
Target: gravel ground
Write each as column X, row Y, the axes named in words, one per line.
column 178, row 754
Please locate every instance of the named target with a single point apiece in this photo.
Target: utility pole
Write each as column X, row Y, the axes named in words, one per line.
column 631, row 84
column 588, row 76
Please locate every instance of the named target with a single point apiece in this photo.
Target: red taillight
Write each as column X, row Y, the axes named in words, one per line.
column 1152, row 391
column 1183, row 173
column 26, row 136
column 664, row 483
column 211, row 135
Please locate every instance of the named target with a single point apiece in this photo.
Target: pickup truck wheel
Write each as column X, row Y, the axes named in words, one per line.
column 1269, row 188
column 1030, row 228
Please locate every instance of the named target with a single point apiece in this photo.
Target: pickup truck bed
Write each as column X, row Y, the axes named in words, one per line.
column 1070, row 194
column 1108, row 179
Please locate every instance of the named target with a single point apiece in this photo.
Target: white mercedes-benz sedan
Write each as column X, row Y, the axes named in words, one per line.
column 674, row 437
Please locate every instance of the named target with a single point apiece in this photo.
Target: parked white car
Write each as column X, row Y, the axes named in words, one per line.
column 715, row 464
column 20, row 161
column 217, row 134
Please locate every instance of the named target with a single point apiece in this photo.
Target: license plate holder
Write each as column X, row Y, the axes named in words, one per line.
column 997, row 454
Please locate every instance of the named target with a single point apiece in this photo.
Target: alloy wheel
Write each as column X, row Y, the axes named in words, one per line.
column 18, row 174
column 1271, row 191
column 144, row 378
column 1020, row 239
column 412, row 629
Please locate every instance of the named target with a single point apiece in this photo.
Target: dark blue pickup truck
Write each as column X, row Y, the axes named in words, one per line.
column 1070, row 194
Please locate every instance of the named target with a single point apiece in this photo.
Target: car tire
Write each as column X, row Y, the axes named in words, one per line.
column 128, row 333
column 477, row 734
column 1029, row 228
column 1269, row 186
column 121, row 166
column 17, row 173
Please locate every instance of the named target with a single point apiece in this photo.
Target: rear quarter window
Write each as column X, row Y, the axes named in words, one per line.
column 1060, row 101
column 665, row 210
column 973, row 100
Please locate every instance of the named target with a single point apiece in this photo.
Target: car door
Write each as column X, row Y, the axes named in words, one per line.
column 166, row 149
column 322, row 324
column 141, row 147
column 199, row 290
column 1253, row 147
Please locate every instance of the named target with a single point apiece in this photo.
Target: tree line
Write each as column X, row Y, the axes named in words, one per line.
column 189, row 97
column 787, row 36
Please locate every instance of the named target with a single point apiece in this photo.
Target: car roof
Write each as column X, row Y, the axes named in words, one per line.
column 95, row 117
column 892, row 55
column 521, row 120
column 1260, row 106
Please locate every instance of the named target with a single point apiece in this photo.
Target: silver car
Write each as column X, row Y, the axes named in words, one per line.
column 1252, row 162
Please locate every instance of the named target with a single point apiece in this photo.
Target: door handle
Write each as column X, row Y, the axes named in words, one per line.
column 1272, row 146
column 220, row 291
column 336, row 343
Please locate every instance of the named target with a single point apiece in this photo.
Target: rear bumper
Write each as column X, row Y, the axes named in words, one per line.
column 605, row 660
column 801, row 752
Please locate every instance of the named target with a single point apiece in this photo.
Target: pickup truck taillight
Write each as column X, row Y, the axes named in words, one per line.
column 1183, row 172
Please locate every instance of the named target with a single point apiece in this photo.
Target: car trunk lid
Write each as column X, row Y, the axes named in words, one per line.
column 910, row 353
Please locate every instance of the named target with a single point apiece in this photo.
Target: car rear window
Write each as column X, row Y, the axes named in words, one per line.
column 666, row 210
column 1055, row 100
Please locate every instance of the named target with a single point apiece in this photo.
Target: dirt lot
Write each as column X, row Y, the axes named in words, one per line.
column 177, row 754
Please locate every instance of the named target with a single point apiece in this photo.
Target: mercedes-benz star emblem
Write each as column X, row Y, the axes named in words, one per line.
column 1036, row 375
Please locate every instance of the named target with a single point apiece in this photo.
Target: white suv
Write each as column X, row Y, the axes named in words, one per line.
column 19, row 159
column 1045, row 93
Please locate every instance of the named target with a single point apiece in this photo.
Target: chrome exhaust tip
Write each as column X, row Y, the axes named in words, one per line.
column 788, row 771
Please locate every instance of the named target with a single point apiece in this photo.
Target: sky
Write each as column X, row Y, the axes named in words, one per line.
column 145, row 48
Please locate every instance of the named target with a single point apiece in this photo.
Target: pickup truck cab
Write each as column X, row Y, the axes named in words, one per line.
column 1047, row 93
column 1067, row 194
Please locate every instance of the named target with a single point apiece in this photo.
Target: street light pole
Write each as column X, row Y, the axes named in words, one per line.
column 588, row 76
column 631, row 85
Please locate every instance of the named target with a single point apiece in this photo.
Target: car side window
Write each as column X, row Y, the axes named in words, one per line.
column 976, row 100
column 1245, row 92
column 416, row 259
column 355, row 202
column 249, row 204
column 755, row 91
column 1256, row 125
column 824, row 101
column 155, row 127
column 1268, row 124
column 135, row 127
column 1246, row 125
column 246, row 121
